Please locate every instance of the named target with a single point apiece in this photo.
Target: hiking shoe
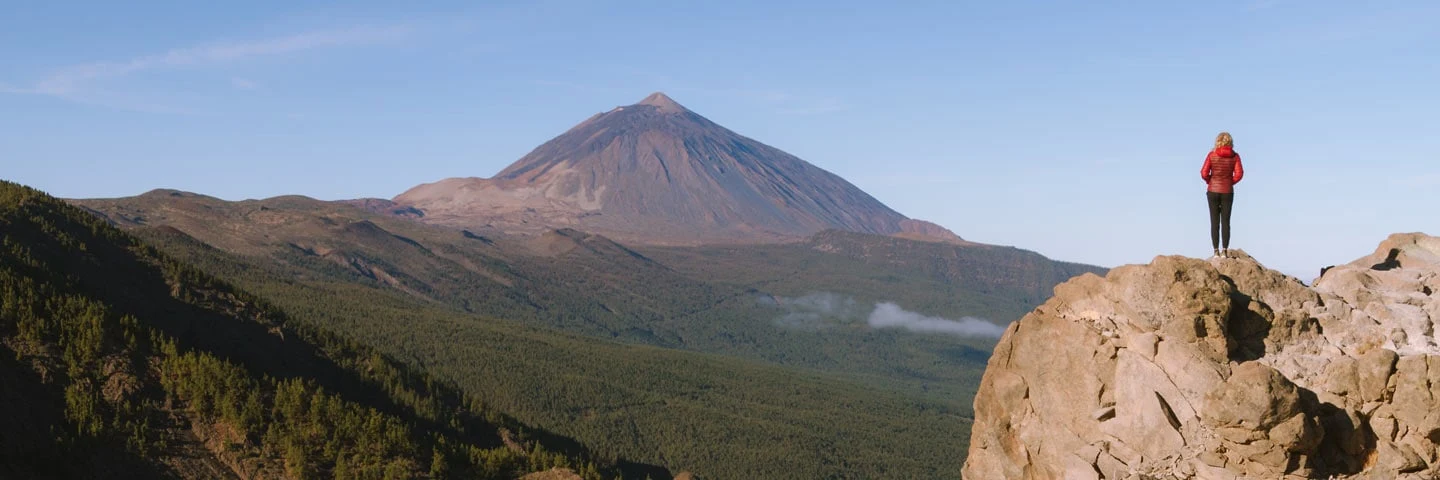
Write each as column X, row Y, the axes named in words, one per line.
column 1217, row 254
column 1226, row 253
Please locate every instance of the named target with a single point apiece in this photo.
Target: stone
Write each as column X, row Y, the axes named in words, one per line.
column 1391, row 457
column 1207, row 472
column 1079, row 469
column 1373, row 374
column 1123, row 452
column 1110, row 466
column 1412, row 399
column 1089, row 453
column 1138, row 413
column 1255, row 396
column 1213, row 459
column 1299, row 434
column 1342, row 377
column 1144, row 344
column 1384, row 426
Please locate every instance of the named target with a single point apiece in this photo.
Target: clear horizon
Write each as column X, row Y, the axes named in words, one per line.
column 1076, row 131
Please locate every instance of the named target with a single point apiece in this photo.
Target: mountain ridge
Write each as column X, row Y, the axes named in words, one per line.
column 321, row 229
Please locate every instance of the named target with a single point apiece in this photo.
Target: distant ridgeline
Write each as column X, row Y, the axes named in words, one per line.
column 121, row 362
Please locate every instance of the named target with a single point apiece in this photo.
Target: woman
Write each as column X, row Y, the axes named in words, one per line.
column 1221, row 172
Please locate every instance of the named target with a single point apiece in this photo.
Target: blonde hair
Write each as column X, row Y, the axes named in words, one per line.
column 1224, row 140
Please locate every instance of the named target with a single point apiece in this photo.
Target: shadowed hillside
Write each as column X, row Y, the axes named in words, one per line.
column 120, row 362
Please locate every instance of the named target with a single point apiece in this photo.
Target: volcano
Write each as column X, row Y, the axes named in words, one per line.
column 658, row 173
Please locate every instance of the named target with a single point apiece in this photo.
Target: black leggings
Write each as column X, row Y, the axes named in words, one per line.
column 1220, row 204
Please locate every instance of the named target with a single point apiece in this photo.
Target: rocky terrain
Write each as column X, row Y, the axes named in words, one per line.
column 657, row 173
column 1221, row 369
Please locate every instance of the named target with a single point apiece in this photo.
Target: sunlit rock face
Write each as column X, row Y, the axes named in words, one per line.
column 1221, row 369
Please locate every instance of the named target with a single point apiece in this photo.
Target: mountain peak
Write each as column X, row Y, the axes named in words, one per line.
column 657, row 173
column 663, row 102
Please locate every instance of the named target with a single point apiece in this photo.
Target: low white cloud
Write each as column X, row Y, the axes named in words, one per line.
column 824, row 310
column 816, row 310
column 890, row 315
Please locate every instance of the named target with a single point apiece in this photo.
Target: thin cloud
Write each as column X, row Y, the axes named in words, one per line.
column 78, row 82
column 67, row 79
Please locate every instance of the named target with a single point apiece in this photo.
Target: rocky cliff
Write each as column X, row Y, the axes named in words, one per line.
column 1221, row 369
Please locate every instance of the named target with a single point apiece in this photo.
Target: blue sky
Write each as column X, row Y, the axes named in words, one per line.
column 1075, row 129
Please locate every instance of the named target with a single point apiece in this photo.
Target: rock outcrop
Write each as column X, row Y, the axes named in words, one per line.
column 1221, row 369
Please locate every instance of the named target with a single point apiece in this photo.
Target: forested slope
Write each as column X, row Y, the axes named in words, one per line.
column 121, row 362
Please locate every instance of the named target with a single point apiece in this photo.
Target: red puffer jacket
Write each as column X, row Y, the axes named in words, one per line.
column 1222, row 170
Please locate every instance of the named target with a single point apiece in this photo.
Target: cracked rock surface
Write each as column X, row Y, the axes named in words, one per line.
column 1221, row 369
